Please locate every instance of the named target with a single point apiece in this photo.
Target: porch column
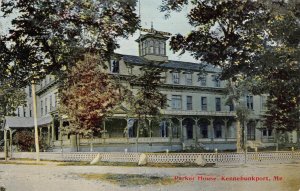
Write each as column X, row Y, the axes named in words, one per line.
column 211, row 129
column 150, row 132
column 48, row 134
column 150, row 128
column 126, row 130
column 40, row 132
column 60, row 134
column 226, row 129
column 170, row 129
column 181, row 128
column 10, row 142
column 5, row 144
column 53, row 136
column 195, row 132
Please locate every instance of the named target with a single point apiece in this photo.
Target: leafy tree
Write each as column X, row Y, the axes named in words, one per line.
column 148, row 100
column 281, row 78
column 49, row 34
column 89, row 95
column 10, row 99
column 227, row 34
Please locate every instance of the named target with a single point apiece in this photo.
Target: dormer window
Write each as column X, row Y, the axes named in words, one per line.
column 114, row 66
column 217, row 81
column 175, row 77
column 188, row 79
column 202, row 80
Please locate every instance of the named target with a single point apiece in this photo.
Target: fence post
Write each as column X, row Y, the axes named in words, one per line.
column 293, row 149
column 256, row 154
column 216, row 153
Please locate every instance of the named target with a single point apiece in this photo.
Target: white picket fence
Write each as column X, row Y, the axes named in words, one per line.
column 217, row 158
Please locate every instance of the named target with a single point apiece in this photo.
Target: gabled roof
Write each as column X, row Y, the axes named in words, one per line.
column 172, row 64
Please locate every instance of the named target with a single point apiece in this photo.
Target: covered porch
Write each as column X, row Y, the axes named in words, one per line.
column 206, row 132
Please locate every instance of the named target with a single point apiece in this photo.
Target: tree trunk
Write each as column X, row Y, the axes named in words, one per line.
column 235, row 102
column 238, row 136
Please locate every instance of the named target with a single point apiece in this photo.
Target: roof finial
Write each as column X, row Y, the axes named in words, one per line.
column 152, row 29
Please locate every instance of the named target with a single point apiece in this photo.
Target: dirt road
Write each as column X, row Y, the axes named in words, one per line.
column 50, row 177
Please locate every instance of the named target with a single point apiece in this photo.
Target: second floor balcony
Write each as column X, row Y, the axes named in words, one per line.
column 198, row 113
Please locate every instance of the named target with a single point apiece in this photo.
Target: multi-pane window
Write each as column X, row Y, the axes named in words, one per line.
column 151, row 47
column 218, row 104
column 249, row 102
column 217, row 81
column 202, row 80
column 46, row 104
column 55, row 99
column 144, row 47
column 24, row 111
column 163, row 129
column 175, row 77
column 42, row 107
column 189, row 102
column 218, row 131
column 114, row 66
column 267, row 132
column 204, row 131
column 176, row 102
column 51, row 106
column 251, row 130
column 156, row 47
column 30, row 110
column 231, row 107
column 162, row 48
column 204, row 103
column 188, row 79
column 30, row 91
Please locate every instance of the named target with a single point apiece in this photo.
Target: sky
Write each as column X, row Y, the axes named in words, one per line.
column 177, row 23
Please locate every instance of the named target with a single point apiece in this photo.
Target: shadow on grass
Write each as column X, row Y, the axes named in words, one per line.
column 20, row 163
column 129, row 179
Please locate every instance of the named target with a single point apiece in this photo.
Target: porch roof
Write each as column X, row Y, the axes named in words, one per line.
column 18, row 122
column 25, row 122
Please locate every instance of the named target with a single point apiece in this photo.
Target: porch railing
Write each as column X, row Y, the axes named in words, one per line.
column 120, row 140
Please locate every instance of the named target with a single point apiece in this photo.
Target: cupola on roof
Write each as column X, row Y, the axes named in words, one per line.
column 152, row 45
